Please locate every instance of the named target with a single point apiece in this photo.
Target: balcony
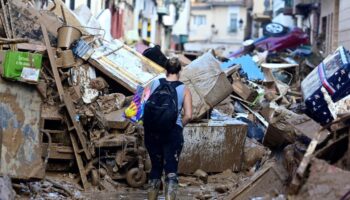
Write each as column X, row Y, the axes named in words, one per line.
column 303, row 7
column 303, row 2
column 222, row 2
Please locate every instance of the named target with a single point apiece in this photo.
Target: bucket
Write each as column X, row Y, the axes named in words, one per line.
column 67, row 58
column 67, row 35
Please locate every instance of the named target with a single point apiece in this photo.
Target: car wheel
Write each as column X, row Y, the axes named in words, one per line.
column 274, row 30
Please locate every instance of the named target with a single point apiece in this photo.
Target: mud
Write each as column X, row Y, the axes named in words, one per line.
column 324, row 182
column 20, row 114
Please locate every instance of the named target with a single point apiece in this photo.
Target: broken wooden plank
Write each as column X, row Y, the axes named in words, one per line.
column 332, row 145
column 263, row 182
column 31, row 47
column 11, row 20
column 6, row 24
column 79, row 160
column 297, row 179
column 242, row 100
column 58, row 151
column 244, row 91
column 115, row 119
column 299, row 175
column 53, row 62
column 307, row 127
column 12, row 41
column 257, row 115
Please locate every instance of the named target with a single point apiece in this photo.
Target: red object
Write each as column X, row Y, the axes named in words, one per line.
column 292, row 39
column 117, row 23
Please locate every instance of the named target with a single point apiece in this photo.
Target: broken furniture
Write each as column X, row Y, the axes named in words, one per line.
column 206, row 82
column 212, row 148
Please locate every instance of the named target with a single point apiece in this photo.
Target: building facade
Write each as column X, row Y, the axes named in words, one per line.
column 149, row 20
column 218, row 22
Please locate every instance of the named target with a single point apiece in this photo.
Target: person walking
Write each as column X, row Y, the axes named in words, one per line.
column 163, row 125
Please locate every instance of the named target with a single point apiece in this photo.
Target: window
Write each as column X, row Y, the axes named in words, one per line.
column 72, row 4
column 233, row 23
column 199, row 20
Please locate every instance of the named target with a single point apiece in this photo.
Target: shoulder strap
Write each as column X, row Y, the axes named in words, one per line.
column 162, row 81
column 176, row 84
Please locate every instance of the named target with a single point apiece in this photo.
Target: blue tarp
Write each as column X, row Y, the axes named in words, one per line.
column 248, row 66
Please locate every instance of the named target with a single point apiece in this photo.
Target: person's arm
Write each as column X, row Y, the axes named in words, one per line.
column 187, row 105
column 147, row 91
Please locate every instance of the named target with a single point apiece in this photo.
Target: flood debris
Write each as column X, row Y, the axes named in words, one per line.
column 6, row 190
column 267, row 123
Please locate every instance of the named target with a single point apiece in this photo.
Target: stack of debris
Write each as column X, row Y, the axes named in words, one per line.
column 74, row 118
column 64, row 90
column 64, row 103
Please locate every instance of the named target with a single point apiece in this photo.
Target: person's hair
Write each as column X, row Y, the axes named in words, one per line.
column 173, row 66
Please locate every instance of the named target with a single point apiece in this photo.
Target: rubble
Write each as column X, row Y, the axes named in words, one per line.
column 64, row 91
column 332, row 184
column 6, row 190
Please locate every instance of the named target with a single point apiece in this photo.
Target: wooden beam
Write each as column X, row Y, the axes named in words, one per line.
column 80, row 164
column 53, row 62
column 13, row 41
column 58, row 152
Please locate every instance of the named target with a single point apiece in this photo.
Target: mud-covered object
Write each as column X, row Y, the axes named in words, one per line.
column 156, row 55
column 207, row 83
column 26, row 23
column 111, row 102
column 226, row 107
column 255, row 131
column 334, row 75
column 99, row 84
column 6, row 190
column 253, row 152
column 325, row 181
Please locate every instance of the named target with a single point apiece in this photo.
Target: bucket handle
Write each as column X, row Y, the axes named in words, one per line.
column 104, row 31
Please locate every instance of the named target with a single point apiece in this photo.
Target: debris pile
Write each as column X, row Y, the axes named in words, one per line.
column 261, row 116
column 76, row 86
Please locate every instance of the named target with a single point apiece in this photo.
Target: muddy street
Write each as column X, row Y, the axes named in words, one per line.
column 174, row 100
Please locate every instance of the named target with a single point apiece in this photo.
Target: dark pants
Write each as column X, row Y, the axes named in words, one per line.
column 164, row 150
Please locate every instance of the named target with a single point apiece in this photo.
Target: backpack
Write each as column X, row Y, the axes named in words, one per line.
column 156, row 55
column 161, row 109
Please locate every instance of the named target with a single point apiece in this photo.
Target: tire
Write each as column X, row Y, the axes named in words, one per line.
column 274, row 30
column 133, row 180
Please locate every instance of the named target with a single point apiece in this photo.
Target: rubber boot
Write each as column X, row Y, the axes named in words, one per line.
column 153, row 190
column 171, row 190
